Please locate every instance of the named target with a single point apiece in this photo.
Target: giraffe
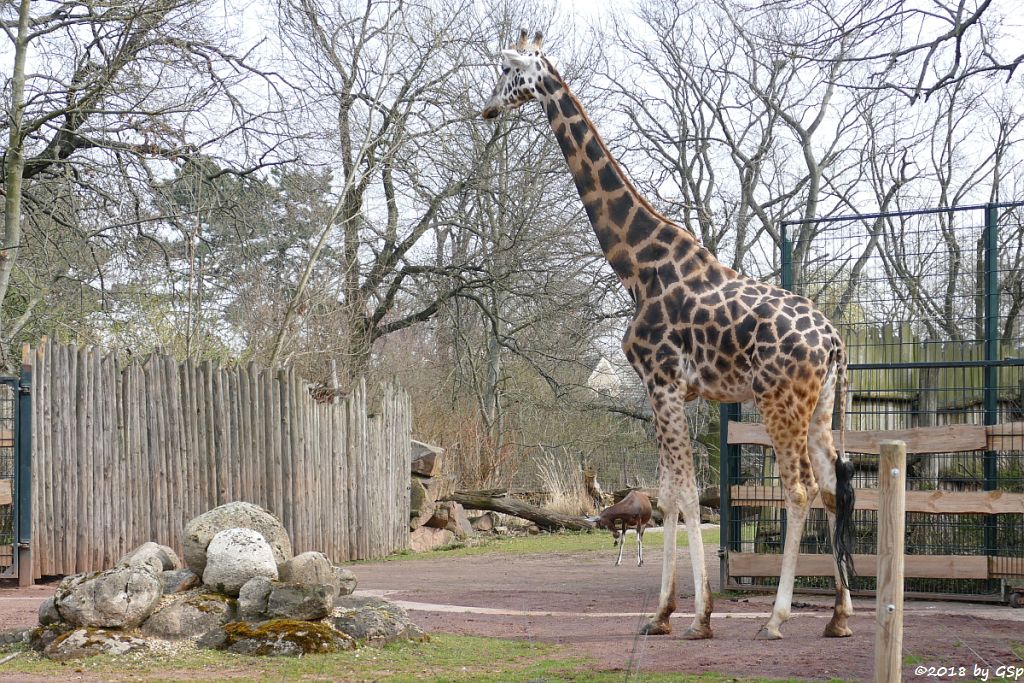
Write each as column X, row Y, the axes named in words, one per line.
column 700, row 329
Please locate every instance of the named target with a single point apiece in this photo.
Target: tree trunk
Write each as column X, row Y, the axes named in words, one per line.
column 15, row 169
column 545, row 519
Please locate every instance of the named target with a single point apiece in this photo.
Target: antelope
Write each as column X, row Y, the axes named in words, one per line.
column 632, row 511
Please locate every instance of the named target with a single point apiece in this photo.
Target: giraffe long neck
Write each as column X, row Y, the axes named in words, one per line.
column 635, row 238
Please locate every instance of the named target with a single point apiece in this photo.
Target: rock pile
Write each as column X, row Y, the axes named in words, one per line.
column 433, row 524
column 239, row 589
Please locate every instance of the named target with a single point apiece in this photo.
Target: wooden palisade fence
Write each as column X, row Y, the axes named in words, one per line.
column 125, row 453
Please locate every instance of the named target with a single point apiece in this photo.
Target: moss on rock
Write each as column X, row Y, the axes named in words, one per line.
column 284, row 637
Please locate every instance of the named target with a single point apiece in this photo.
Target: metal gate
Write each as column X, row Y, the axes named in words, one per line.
column 929, row 304
column 15, row 476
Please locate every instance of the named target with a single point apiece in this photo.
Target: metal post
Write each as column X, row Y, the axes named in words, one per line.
column 786, row 275
column 892, row 493
column 991, row 371
column 728, row 463
column 23, row 476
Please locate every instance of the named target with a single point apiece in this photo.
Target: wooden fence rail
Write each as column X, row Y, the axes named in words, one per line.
column 125, row 453
column 926, row 441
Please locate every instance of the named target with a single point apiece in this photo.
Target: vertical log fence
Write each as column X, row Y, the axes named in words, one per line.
column 128, row 452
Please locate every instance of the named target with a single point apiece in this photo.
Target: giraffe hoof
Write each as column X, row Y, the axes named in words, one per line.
column 698, row 633
column 837, row 631
column 656, row 628
column 768, row 633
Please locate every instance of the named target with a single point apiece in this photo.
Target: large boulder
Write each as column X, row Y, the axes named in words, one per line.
column 48, row 613
column 121, row 597
column 253, row 597
column 298, row 601
column 451, row 516
column 310, row 569
column 188, row 615
column 426, row 459
column 159, row 557
column 237, row 515
column 428, row 538
column 373, row 620
column 276, row 637
column 236, row 555
column 422, row 501
column 178, row 581
column 86, row 642
column 345, row 580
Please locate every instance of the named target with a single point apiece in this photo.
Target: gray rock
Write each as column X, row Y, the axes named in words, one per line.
column 373, row 620
column 252, row 598
column 237, row 515
column 423, row 493
column 236, row 555
column 48, row 613
column 277, row 637
column 40, row 637
column 345, row 580
column 86, row 642
column 178, row 581
column 426, row 459
column 427, row 538
column 159, row 557
column 308, row 569
column 121, row 597
column 14, row 636
column 214, row 639
column 301, row 602
column 451, row 516
column 188, row 615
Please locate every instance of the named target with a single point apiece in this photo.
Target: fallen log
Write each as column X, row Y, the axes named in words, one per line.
column 709, row 497
column 545, row 519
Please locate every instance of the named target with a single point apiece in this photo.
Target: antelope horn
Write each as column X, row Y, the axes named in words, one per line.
column 521, row 43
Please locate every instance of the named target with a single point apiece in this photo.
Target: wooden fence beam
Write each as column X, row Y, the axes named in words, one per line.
column 931, row 502
column 892, row 485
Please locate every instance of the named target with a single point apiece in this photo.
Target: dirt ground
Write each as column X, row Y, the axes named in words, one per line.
column 581, row 600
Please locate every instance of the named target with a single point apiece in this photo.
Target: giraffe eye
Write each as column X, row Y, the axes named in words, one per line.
column 504, row 69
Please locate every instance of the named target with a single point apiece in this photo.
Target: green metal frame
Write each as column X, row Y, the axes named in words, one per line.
column 731, row 455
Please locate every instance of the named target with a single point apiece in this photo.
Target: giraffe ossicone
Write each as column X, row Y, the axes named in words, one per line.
column 702, row 329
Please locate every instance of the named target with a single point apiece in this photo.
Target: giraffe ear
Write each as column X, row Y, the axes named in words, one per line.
column 514, row 58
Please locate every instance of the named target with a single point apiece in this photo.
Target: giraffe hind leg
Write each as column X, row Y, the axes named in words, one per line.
column 823, row 456
column 787, row 417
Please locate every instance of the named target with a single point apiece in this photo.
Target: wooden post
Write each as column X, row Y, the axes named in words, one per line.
column 892, row 483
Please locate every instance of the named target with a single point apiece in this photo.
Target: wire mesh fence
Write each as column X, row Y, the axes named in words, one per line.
column 8, row 533
column 929, row 304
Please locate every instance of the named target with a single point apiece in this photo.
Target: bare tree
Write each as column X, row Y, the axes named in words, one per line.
column 113, row 91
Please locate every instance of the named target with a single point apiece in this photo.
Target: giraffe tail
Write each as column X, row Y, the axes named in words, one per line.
column 843, row 542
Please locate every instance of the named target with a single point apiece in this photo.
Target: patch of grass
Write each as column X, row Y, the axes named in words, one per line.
column 911, row 660
column 1018, row 649
column 444, row 658
column 559, row 542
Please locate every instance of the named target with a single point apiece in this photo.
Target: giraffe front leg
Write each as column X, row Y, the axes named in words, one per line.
column 703, row 601
column 659, row 624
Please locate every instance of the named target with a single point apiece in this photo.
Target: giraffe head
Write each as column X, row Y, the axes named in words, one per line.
column 523, row 69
